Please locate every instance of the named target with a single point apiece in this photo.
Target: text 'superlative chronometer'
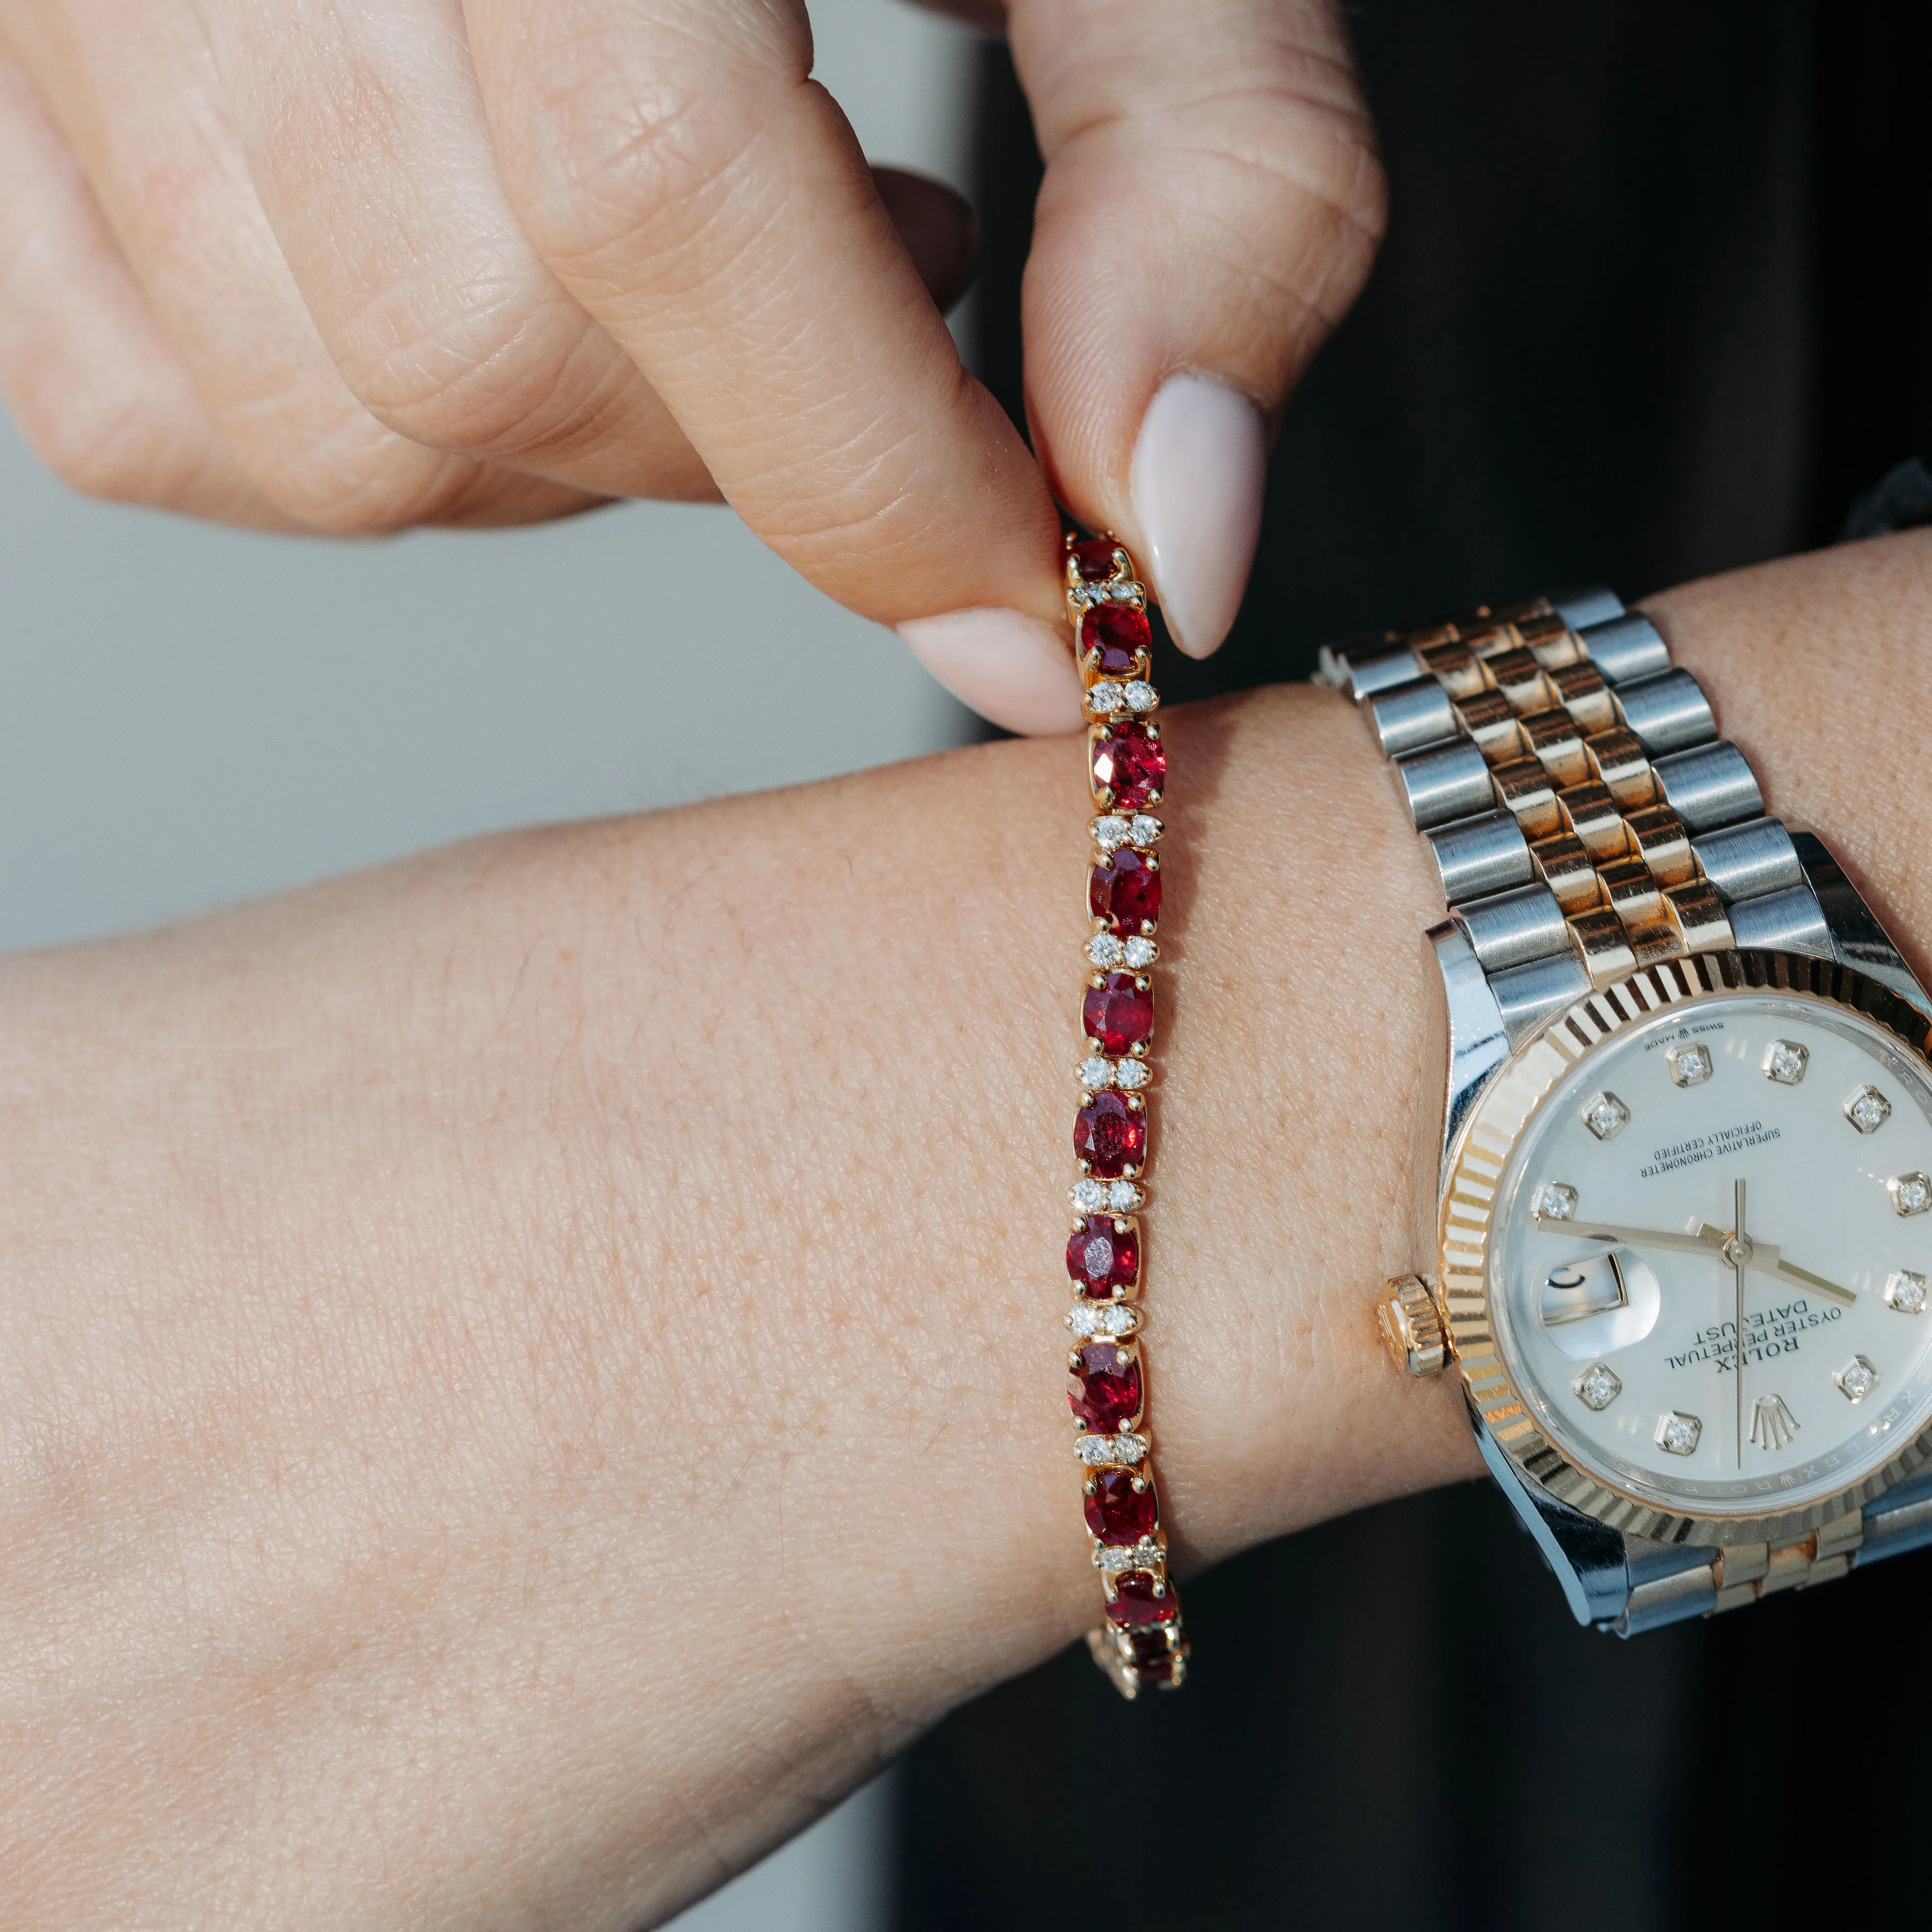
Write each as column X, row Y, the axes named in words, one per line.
column 1683, row 1219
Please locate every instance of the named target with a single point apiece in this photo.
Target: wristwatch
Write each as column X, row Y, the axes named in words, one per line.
column 1681, row 1215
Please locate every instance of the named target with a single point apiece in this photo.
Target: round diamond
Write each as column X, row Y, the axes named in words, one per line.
column 1124, row 592
column 1911, row 1193
column 1868, row 1110
column 1139, row 694
column 1130, row 1074
column 1147, row 829
column 1785, row 1063
column 1556, row 1202
column 1089, row 1196
column 1105, row 949
column 1109, row 832
column 1598, row 1386
column 1679, row 1434
column 1104, row 697
column 1123, row 1196
column 1605, row 1116
column 1139, row 952
column 1095, row 1072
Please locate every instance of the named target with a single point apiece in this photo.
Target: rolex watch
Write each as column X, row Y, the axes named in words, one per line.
column 1679, row 1233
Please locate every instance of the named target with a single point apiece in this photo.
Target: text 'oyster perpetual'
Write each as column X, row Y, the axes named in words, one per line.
column 1683, row 1211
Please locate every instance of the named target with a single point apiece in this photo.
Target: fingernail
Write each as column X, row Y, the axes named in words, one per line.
column 1017, row 670
column 1200, row 464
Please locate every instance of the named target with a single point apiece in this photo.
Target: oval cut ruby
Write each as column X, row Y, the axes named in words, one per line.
column 1116, row 1512
column 1153, row 1656
column 1093, row 559
column 1109, row 1136
column 1131, row 763
column 1121, row 634
column 1118, row 1013
column 1103, row 1388
column 1125, row 891
column 1102, row 1259
column 1135, row 1604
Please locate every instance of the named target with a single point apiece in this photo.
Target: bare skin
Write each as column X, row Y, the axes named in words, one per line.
column 525, row 1375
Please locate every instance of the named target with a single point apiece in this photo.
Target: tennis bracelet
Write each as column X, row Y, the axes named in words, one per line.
column 1141, row 1641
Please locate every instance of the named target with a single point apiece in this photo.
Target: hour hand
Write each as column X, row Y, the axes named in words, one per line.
column 1706, row 1241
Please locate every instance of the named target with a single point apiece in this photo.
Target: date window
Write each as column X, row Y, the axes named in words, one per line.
column 1578, row 1290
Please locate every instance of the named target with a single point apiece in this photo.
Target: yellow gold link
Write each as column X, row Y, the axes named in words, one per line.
column 1555, row 738
column 1527, row 790
column 1604, row 946
column 1699, row 915
column 1520, row 679
column 1622, row 765
column 1493, row 727
column 1550, row 641
column 1461, row 674
column 1582, row 692
column 1662, row 841
column 1634, row 896
column 1590, row 814
column 1566, row 868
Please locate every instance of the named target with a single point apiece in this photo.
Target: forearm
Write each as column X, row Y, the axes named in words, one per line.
column 524, row 1374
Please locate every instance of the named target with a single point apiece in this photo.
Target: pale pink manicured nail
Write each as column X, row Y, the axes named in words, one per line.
column 1200, row 462
column 1017, row 670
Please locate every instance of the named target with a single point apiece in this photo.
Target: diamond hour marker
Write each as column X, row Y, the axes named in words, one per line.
column 1856, row 1379
column 1906, row 1292
column 1677, row 1434
column 1597, row 1387
column 1690, row 1066
column 1911, row 1193
column 1556, row 1202
column 1868, row 1110
column 1605, row 1116
column 1786, row 1062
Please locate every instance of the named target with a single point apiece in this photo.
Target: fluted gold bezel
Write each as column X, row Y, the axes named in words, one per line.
column 1483, row 1149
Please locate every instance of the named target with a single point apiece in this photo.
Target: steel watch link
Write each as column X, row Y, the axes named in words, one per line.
column 1680, row 1234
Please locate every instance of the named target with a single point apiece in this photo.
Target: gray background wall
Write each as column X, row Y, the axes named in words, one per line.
column 193, row 716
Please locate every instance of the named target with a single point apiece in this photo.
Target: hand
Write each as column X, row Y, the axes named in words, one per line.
column 349, row 265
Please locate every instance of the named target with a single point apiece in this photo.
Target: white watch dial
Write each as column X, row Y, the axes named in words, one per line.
column 1615, row 1261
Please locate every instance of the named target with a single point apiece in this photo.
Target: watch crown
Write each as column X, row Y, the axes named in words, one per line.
column 1411, row 1329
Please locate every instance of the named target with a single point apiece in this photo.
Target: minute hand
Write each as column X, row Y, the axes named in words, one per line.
column 1766, row 1259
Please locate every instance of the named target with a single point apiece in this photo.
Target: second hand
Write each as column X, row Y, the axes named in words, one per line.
column 1739, row 1251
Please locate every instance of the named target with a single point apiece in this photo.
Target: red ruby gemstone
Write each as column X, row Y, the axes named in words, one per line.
column 1104, row 1391
column 1117, row 1014
column 1110, row 1136
column 1135, row 1603
column 1125, row 890
column 1094, row 559
column 1133, row 762
column 1153, row 1657
column 1120, row 633
column 1101, row 1259
column 1116, row 1512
